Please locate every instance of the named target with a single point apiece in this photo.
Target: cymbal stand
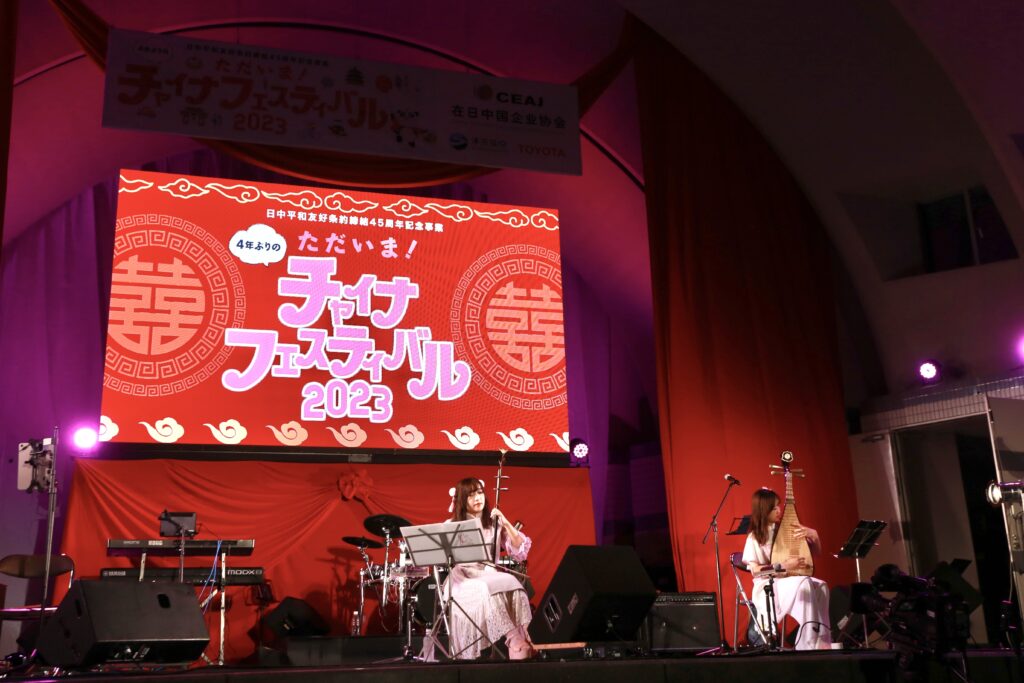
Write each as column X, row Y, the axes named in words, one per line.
column 365, row 576
column 357, row 625
column 386, row 573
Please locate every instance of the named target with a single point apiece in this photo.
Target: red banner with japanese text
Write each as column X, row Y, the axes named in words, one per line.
column 262, row 314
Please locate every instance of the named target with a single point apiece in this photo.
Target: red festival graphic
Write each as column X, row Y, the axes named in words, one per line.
column 262, row 314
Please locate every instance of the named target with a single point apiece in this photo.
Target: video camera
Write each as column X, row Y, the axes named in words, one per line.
column 924, row 616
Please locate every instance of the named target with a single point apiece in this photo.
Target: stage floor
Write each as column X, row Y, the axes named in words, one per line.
column 984, row 666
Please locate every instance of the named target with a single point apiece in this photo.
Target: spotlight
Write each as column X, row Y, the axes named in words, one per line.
column 580, row 452
column 997, row 492
column 930, row 371
column 85, row 438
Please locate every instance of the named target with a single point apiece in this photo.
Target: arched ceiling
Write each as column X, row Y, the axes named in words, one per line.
column 901, row 99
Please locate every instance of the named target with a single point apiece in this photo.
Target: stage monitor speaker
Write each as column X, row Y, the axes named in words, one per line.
column 294, row 617
column 683, row 622
column 124, row 621
column 598, row 593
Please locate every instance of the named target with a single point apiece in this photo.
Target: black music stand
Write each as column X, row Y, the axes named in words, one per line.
column 740, row 526
column 862, row 539
column 444, row 545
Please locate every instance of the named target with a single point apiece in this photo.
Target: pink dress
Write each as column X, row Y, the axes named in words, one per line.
column 487, row 598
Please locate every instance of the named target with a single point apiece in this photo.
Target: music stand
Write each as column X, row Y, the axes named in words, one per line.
column 740, row 526
column 862, row 539
column 445, row 545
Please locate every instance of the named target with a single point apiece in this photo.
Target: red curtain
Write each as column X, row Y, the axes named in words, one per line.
column 744, row 321
column 297, row 513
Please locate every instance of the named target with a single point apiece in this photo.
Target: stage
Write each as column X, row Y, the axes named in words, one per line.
column 988, row 666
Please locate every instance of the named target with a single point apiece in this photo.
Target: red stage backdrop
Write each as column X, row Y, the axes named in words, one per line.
column 260, row 314
column 297, row 514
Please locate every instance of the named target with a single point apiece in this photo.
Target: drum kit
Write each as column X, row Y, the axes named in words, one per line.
column 395, row 581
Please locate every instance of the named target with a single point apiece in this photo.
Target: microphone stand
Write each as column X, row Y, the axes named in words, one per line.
column 713, row 528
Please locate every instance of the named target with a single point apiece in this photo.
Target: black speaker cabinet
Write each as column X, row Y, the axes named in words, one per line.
column 294, row 617
column 598, row 593
column 683, row 622
column 124, row 621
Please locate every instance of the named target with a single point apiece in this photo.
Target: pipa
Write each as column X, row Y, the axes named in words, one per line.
column 784, row 545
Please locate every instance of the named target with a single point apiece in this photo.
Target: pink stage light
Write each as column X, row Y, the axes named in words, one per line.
column 85, row 438
column 580, row 453
column 1020, row 349
column 930, row 371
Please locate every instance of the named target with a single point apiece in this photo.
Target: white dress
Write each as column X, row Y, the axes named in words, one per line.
column 804, row 598
column 485, row 597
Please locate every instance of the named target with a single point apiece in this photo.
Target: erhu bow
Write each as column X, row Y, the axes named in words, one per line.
column 784, row 545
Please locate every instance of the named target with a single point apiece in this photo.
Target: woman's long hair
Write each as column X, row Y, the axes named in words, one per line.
column 463, row 490
column 761, row 506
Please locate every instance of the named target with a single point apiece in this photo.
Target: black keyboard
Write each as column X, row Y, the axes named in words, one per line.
column 171, row 546
column 236, row 576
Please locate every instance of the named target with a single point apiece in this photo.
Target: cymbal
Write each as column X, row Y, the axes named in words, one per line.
column 362, row 542
column 378, row 524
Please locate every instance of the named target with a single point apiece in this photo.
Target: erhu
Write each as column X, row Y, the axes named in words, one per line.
column 785, row 546
column 498, row 488
column 512, row 567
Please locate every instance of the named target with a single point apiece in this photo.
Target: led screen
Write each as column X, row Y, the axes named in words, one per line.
column 264, row 314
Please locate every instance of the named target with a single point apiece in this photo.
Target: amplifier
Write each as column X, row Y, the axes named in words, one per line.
column 683, row 622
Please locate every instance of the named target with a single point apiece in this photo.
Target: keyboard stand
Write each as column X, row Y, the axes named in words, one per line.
column 221, row 588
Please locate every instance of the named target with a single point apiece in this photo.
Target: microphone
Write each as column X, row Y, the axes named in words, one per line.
column 732, row 479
